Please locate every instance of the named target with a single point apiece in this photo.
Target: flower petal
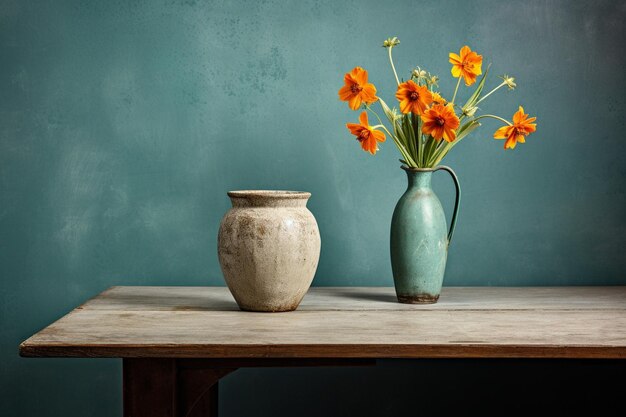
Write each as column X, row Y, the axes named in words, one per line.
column 363, row 119
column 354, row 128
column 355, row 102
column 401, row 94
column 345, row 93
column 428, row 117
column 465, row 51
column 369, row 145
column 453, row 121
column 379, row 136
column 448, row 134
column 361, row 76
column 518, row 116
column 373, row 145
column 502, row 133
column 470, row 78
column 510, row 143
column 368, row 94
column 437, row 132
column 405, row 106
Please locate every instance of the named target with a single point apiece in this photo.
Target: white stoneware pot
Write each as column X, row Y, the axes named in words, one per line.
column 268, row 248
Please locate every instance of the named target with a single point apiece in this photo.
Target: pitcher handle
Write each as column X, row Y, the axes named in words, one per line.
column 457, row 201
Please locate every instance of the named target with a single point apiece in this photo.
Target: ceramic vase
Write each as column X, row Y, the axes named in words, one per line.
column 268, row 249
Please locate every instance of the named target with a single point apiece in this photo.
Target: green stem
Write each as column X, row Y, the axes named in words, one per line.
column 417, row 143
column 491, row 116
column 429, row 151
column 407, row 128
column 392, row 66
column 456, row 89
column 422, row 141
column 379, row 119
column 490, row 93
column 407, row 157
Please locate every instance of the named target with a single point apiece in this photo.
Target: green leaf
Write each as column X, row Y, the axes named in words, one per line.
column 388, row 112
column 397, row 129
column 429, row 149
column 479, row 89
column 417, row 134
column 435, row 156
column 400, row 140
column 466, row 129
column 409, row 133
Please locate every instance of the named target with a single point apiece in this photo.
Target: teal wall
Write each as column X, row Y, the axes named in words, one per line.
column 124, row 123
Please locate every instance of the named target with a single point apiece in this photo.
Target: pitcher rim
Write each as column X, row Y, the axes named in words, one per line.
column 412, row 169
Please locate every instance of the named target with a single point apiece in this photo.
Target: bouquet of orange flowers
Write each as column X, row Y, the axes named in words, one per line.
column 427, row 125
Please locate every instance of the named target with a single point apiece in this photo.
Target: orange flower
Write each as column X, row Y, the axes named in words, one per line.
column 438, row 99
column 522, row 127
column 440, row 122
column 413, row 98
column 468, row 64
column 357, row 90
column 367, row 136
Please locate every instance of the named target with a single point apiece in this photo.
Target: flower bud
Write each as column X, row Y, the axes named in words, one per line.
column 391, row 42
column 509, row 81
column 470, row 111
column 419, row 74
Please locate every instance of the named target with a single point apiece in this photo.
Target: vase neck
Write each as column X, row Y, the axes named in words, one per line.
column 419, row 179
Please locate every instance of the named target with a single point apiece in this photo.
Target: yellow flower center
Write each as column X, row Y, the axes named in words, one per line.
column 355, row 88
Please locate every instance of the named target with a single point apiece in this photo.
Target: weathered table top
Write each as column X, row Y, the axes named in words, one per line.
column 204, row 322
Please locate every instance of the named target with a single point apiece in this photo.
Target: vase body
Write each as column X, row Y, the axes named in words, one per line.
column 268, row 249
column 419, row 240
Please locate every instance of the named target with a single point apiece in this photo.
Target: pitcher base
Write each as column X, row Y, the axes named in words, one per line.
column 418, row 299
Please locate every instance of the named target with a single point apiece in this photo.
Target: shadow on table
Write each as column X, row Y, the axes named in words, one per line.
column 365, row 295
column 174, row 300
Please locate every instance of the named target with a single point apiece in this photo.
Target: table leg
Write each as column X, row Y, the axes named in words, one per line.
column 197, row 391
column 161, row 388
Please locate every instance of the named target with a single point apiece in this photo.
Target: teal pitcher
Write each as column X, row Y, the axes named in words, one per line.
column 420, row 239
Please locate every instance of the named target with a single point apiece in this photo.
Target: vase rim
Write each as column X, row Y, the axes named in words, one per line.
column 411, row 169
column 267, row 194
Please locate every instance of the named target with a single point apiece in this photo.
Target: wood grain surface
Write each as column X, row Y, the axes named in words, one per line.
column 204, row 322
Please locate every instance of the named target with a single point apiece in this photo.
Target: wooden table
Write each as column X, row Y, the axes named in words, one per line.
column 177, row 342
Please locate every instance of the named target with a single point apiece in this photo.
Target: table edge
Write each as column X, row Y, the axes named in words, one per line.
column 291, row 351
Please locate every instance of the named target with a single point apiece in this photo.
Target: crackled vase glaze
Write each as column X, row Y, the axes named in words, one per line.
column 419, row 238
column 268, row 249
